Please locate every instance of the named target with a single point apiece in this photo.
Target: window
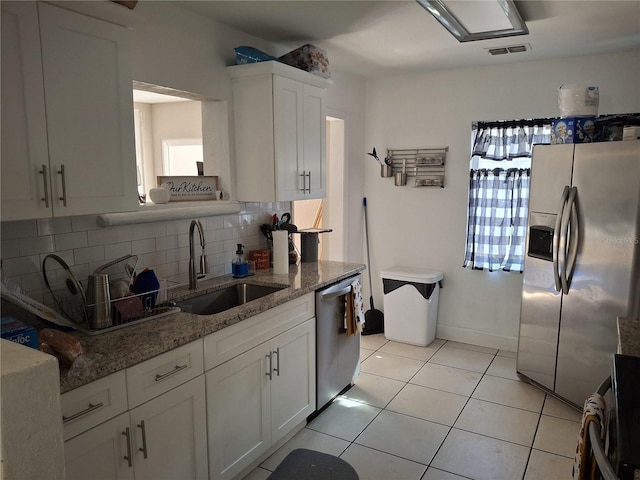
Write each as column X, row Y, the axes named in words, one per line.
column 499, row 179
column 168, row 134
column 182, row 156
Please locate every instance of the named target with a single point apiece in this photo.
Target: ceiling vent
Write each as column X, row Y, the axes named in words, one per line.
column 510, row 49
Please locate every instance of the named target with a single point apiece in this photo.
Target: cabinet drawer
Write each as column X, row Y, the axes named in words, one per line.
column 230, row 342
column 164, row 372
column 89, row 405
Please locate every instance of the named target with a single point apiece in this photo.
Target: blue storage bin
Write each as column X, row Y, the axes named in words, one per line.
column 246, row 55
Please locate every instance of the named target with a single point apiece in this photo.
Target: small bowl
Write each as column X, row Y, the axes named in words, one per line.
column 159, row 195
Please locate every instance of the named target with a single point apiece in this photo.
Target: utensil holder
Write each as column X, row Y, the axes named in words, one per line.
column 401, row 179
column 386, row 171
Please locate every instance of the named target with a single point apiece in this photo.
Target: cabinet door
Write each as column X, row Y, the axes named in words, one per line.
column 314, row 141
column 288, row 114
column 238, row 407
column 100, row 453
column 88, row 97
column 24, row 134
column 170, row 437
column 89, row 405
column 293, row 388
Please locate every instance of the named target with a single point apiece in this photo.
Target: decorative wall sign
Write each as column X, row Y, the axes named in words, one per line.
column 192, row 188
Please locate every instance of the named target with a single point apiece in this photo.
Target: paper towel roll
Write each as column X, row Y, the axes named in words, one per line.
column 280, row 252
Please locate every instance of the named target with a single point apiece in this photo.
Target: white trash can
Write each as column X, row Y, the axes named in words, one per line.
column 411, row 304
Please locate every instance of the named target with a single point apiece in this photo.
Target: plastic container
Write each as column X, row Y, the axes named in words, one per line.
column 245, row 54
column 411, row 304
column 578, row 101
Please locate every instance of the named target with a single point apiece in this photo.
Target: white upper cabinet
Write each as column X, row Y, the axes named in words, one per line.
column 25, row 158
column 74, row 71
column 280, row 131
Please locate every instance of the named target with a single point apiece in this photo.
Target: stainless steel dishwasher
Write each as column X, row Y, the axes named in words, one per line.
column 337, row 355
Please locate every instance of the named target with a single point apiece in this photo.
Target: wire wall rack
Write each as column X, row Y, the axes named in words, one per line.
column 424, row 167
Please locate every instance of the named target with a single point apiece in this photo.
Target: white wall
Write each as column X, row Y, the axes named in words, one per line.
column 346, row 100
column 425, row 227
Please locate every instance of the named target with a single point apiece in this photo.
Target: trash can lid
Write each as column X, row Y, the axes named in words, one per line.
column 412, row 274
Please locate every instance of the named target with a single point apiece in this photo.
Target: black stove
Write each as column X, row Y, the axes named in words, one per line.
column 625, row 455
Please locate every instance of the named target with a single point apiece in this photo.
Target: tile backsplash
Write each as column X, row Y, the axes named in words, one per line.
column 161, row 246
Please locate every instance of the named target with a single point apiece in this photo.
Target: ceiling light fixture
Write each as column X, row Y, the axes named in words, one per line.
column 477, row 20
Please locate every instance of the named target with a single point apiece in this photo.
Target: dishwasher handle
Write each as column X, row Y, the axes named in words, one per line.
column 331, row 295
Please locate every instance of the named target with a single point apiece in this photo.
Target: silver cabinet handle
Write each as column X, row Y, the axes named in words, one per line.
column 556, row 238
column 304, row 182
column 144, row 439
column 309, row 175
column 89, row 409
column 277, row 367
column 128, row 456
column 175, row 370
column 43, row 172
column 64, row 186
column 270, row 370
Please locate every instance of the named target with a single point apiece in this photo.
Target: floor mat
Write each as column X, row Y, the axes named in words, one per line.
column 311, row 465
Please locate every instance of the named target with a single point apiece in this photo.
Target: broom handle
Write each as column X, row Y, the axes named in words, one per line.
column 366, row 236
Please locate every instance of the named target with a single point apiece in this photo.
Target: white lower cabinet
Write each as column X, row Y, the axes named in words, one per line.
column 100, row 452
column 163, row 419
column 169, row 434
column 164, row 438
column 147, row 422
column 293, row 382
column 238, row 406
column 256, row 398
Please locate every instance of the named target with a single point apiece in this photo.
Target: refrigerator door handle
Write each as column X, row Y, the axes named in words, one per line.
column 556, row 239
column 574, row 236
column 566, row 239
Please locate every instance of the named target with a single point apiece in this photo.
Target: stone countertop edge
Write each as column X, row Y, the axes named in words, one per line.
column 629, row 336
column 113, row 351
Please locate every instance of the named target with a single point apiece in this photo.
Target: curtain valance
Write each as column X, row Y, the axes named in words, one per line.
column 509, row 141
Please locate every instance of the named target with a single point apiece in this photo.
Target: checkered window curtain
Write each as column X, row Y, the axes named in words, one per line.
column 499, row 197
column 498, row 206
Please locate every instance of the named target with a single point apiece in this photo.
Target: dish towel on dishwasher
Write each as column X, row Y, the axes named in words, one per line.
column 584, row 465
column 354, row 309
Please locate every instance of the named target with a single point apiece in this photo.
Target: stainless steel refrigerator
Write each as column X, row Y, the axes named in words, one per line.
column 582, row 264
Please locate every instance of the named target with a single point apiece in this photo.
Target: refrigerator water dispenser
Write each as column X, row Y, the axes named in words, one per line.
column 541, row 242
column 541, row 229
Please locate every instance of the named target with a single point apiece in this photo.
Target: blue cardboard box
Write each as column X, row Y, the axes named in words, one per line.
column 574, row 130
column 19, row 332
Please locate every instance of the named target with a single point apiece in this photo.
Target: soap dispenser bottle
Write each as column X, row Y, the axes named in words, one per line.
column 239, row 266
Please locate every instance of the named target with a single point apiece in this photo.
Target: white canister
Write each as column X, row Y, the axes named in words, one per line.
column 280, row 252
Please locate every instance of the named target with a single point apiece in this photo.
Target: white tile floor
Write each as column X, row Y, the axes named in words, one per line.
column 442, row 412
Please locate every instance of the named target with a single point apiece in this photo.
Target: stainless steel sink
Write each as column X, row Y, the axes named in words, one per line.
column 226, row 298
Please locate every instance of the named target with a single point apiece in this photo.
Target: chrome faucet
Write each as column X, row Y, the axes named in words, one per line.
column 204, row 268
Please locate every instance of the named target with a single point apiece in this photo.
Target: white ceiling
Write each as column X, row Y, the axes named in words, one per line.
column 389, row 37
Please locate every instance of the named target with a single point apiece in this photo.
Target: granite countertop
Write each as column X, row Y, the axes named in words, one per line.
column 110, row 352
column 629, row 336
